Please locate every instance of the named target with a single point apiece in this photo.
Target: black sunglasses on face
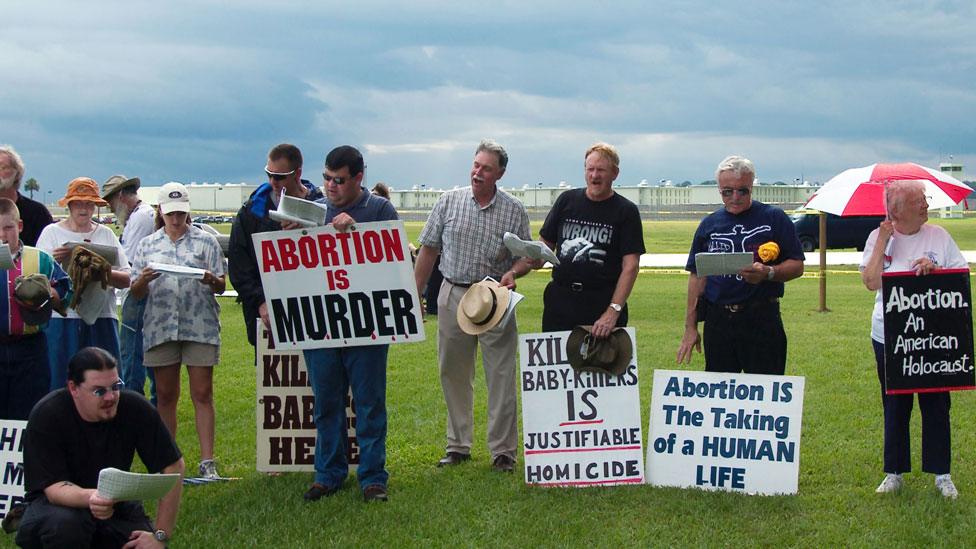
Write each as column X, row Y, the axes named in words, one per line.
column 744, row 191
column 332, row 179
column 277, row 176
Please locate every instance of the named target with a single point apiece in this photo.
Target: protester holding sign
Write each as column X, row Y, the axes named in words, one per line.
column 23, row 356
column 67, row 335
column 332, row 372
column 743, row 327
column 182, row 319
column 904, row 242
column 467, row 227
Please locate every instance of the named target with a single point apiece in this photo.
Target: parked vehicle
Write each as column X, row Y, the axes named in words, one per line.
column 222, row 239
column 842, row 232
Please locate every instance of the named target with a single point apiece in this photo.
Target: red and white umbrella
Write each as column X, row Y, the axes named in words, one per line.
column 860, row 191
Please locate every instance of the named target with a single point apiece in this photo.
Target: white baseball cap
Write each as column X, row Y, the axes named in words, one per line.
column 173, row 197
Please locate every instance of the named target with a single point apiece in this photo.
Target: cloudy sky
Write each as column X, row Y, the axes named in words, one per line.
column 199, row 91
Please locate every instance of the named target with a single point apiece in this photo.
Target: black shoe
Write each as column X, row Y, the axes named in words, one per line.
column 317, row 491
column 503, row 464
column 453, row 458
column 375, row 492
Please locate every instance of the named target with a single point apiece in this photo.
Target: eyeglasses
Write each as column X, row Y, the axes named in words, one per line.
column 333, row 179
column 743, row 191
column 100, row 392
column 278, row 176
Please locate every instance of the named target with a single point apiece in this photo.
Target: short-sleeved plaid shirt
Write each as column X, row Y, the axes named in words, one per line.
column 470, row 237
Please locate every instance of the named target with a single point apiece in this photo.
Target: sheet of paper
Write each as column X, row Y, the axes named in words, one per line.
column 177, row 270
column 297, row 210
column 709, row 264
column 125, row 486
column 92, row 302
column 6, row 258
column 108, row 253
column 533, row 249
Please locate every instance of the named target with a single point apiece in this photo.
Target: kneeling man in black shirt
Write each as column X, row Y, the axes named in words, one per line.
column 75, row 432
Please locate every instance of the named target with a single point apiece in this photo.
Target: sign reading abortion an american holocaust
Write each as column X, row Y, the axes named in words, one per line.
column 12, row 462
column 719, row 431
column 579, row 428
column 928, row 329
column 330, row 289
column 285, row 412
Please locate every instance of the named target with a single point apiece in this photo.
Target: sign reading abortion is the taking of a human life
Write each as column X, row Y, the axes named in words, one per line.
column 579, row 428
column 330, row 289
column 12, row 464
column 722, row 431
column 928, row 329
column 286, row 412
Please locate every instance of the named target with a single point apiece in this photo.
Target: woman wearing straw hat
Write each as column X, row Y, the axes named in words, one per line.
column 65, row 336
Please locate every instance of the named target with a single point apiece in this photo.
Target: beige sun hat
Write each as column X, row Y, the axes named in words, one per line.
column 116, row 183
column 482, row 307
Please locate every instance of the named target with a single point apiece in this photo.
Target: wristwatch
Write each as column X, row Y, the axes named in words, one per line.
column 616, row 307
column 161, row 535
column 771, row 273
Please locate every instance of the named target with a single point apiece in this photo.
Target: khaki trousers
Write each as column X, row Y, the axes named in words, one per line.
column 456, row 354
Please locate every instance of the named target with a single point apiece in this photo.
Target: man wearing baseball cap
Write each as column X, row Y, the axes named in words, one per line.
column 138, row 221
column 23, row 345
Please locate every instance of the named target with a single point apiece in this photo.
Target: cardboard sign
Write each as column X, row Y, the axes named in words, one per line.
column 12, row 462
column 578, row 428
column 928, row 329
column 330, row 289
column 719, row 431
column 286, row 412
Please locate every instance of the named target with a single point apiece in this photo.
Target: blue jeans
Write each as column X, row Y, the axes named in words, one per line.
column 332, row 372
column 67, row 336
column 133, row 371
column 24, row 375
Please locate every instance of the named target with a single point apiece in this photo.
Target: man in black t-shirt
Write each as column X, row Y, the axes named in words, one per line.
column 598, row 238
column 75, row 432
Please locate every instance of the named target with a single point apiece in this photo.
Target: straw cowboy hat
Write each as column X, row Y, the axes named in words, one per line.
column 610, row 355
column 482, row 307
column 82, row 188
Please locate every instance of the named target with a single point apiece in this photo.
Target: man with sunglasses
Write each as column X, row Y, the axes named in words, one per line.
column 284, row 173
column 743, row 328
column 75, row 432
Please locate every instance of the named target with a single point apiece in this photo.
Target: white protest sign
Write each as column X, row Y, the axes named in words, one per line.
column 12, row 462
column 285, row 412
column 330, row 289
column 721, row 431
column 578, row 428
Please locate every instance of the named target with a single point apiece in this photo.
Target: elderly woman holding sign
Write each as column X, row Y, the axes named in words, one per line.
column 180, row 268
column 904, row 242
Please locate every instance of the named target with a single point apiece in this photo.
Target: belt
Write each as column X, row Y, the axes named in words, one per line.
column 580, row 287
column 749, row 305
column 458, row 284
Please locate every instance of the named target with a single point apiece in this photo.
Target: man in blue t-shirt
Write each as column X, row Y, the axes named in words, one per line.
column 743, row 328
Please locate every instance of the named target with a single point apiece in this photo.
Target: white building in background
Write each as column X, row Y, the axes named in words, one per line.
column 228, row 197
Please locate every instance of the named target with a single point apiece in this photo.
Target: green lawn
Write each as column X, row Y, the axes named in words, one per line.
column 471, row 506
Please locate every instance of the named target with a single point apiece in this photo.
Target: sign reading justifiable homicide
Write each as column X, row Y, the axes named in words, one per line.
column 579, row 428
column 928, row 330
column 12, row 461
column 719, row 431
column 330, row 289
column 286, row 412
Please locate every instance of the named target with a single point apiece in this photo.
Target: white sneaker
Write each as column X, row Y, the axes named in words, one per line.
column 890, row 484
column 208, row 469
column 946, row 487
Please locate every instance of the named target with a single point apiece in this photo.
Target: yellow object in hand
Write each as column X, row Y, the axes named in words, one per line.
column 768, row 252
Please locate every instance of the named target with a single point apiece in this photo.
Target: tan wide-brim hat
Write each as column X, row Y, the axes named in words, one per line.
column 118, row 182
column 82, row 188
column 610, row 355
column 482, row 307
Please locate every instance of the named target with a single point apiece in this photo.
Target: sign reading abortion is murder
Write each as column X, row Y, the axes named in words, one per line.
column 12, row 462
column 579, row 428
column 720, row 431
column 928, row 329
column 285, row 412
column 330, row 289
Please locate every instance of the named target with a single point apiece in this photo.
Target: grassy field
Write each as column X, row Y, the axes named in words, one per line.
column 471, row 506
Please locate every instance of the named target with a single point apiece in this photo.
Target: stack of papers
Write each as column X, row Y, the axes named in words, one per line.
column 108, row 253
column 125, row 486
column 177, row 270
column 296, row 210
column 710, row 264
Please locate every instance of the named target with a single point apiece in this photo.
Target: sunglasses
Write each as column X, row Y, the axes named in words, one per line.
column 100, row 392
column 333, row 179
column 744, row 191
column 278, row 176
